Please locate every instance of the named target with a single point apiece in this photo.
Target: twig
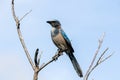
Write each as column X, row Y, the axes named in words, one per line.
column 102, row 55
column 25, row 15
column 106, row 58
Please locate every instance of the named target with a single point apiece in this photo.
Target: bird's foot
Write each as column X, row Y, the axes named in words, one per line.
column 55, row 57
column 59, row 53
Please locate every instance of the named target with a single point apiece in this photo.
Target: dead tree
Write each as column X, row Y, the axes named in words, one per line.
column 36, row 63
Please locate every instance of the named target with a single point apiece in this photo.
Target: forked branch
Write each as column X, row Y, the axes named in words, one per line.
column 21, row 37
column 93, row 65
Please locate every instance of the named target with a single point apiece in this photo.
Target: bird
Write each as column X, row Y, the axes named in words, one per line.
column 63, row 43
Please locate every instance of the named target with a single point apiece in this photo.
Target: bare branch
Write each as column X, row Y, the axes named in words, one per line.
column 14, row 15
column 105, row 58
column 21, row 37
column 100, row 58
column 25, row 48
column 100, row 61
column 94, row 58
column 25, row 15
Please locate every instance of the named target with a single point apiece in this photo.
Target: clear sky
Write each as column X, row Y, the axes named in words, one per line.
column 83, row 21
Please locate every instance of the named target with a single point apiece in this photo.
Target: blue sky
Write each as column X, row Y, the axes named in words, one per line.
column 83, row 21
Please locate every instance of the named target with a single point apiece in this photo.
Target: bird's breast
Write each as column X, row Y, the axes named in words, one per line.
column 59, row 41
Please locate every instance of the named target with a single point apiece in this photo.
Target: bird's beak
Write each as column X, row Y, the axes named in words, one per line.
column 48, row 22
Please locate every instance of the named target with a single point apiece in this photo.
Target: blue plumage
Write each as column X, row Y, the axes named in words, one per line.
column 67, row 41
column 65, row 36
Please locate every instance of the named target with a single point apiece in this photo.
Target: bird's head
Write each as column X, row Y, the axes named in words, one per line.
column 54, row 23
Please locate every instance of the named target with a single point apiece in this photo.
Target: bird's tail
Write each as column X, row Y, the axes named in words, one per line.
column 75, row 64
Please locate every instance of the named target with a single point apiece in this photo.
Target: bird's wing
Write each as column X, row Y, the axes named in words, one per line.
column 67, row 40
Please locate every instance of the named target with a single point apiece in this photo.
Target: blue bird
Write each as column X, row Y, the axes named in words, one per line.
column 63, row 43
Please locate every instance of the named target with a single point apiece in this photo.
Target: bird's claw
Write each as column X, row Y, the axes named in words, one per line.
column 59, row 53
column 55, row 57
